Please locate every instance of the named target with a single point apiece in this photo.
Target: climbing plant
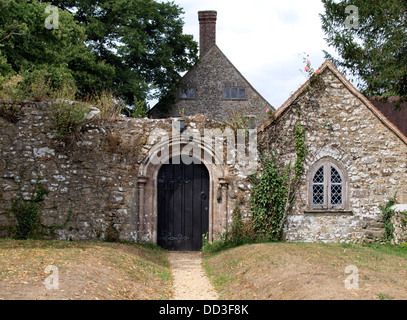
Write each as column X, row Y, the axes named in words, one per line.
column 388, row 213
column 28, row 210
column 273, row 193
column 269, row 198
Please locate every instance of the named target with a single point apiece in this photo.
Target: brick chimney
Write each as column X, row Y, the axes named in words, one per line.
column 207, row 31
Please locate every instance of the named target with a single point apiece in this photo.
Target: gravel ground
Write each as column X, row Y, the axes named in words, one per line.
column 190, row 281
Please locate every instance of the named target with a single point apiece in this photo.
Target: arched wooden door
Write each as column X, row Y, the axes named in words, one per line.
column 183, row 206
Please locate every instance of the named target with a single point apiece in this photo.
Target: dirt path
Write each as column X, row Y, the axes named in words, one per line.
column 190, row 281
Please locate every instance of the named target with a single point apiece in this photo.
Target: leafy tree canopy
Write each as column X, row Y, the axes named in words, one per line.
column 142, row 39
column 136, row 47
column 372, row 47
column 28, row 46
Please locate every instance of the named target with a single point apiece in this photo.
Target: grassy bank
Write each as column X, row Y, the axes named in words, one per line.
column 282, row 271
column 86, row 270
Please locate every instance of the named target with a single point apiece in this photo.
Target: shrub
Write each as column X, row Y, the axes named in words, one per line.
column 240, row 233
column 68, row 117
column 13, row 89
column 109, row 106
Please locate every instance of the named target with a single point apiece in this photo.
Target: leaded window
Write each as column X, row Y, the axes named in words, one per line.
column 234, row 93
column 327, row 186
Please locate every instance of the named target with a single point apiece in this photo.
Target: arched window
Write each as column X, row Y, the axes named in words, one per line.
column 327, row 186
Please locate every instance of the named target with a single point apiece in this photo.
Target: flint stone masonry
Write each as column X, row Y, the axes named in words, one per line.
column 339, row 126
column 399, row 222
column 107, row 178
column 98, row 177
column 209, row 77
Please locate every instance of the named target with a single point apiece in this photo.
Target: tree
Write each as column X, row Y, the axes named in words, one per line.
column 142, row 39
column 371, row 40
column 27, row 46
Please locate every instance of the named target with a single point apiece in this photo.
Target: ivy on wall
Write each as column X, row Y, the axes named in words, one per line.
column 27, row 213
column 274, row 191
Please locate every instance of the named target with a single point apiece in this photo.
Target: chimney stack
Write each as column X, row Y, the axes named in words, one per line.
column 207, row 31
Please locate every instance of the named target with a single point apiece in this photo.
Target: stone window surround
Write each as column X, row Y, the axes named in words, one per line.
column 148, row 189
column 327, row 207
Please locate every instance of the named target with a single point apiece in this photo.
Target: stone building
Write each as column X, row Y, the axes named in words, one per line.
column 172, row 181
column 356, row 159
column 214, row 87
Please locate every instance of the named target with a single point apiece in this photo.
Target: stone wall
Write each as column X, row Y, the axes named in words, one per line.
column 107, row 176
column 339, row 126
column 97, row 176
column 399, row 222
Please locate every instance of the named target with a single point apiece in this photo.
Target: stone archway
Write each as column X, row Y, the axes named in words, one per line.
column 148, row 186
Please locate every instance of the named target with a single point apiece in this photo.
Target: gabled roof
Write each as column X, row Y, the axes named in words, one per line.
column 205, row 56
column 329, row 65
column 215, row 47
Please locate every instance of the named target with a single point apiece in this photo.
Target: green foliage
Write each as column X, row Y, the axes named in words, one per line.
column 142, row 39
column 388, row 214
column 28, row 212
column 240, row 233
column 68, row 117
column 112, row 234
column 375, row 51
column 29, row 47
column 269, row 198
column 140, row 109
column 136, row 46
column 110, row 107
column 273, row 193
column 13, row 88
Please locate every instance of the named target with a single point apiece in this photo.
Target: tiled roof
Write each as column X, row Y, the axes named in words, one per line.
column 396, row 114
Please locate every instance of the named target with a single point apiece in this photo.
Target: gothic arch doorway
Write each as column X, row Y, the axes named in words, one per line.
column 148, row 189
column 183, row 201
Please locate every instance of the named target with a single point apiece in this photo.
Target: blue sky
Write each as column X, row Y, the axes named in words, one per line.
column 265, row 40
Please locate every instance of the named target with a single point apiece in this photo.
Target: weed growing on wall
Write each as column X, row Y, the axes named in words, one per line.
column 388, row 214
column 28, row 212
column 68, row 117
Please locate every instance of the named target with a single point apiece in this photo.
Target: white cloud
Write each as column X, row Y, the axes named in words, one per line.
column 264, row 39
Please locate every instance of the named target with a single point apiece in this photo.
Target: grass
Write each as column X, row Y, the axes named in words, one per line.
column 301, row 271
column 87, row 270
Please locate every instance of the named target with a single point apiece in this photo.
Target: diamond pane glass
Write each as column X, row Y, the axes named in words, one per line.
column 318, row 194
column 336, row 194
column 319, row 176
column 335, row 176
